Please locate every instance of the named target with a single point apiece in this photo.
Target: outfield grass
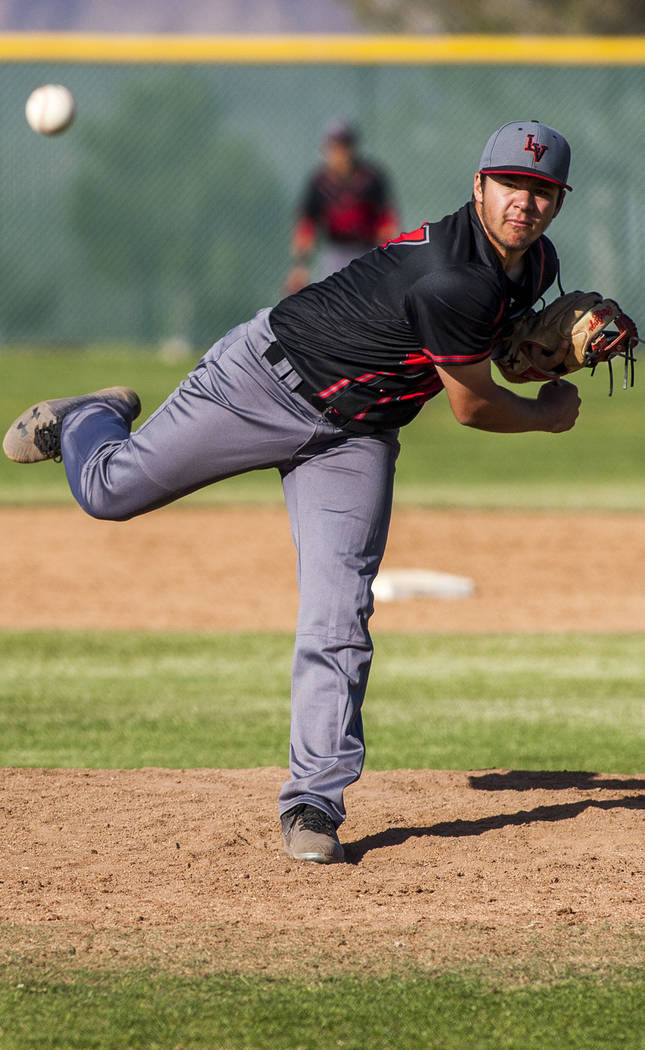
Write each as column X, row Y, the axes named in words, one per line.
column 220, row 1012
column 128, row 700
column 599, row 464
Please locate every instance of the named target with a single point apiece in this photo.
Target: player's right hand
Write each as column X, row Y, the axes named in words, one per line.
column 561, row 403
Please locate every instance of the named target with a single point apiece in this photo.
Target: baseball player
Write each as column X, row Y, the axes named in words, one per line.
column 347, row 205
column 318, row 387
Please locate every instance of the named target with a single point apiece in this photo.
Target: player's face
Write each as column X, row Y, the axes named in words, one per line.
column 339, row 156
column 515, row 210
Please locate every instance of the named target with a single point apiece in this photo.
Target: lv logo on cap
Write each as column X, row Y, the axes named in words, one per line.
column 535, row 148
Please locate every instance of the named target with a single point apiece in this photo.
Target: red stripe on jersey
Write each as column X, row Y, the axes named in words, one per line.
column 365, row 378
column 458, row 359
column 334, row 387
column 381, row 401
column 500, row 312
column 422, row 395
column 425, row 394
column 420, row 236
column 420, row 357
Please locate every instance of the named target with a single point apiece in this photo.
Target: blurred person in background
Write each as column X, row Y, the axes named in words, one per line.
column 347, row 207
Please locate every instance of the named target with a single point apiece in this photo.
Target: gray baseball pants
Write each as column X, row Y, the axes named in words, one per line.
column 234, row 413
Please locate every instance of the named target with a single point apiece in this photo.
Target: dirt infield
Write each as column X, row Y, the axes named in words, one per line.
column 184, row 867
column 234, row 570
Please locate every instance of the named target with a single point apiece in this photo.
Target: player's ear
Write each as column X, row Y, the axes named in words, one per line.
column 560, row 202
column 478, row 187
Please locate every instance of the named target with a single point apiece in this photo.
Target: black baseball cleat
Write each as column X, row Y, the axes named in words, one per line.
column 35, row 435
column 310, row 834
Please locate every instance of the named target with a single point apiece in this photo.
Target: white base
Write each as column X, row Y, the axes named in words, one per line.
column 397, row 584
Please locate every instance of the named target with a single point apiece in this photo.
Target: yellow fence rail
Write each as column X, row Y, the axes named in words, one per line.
column 333, row 49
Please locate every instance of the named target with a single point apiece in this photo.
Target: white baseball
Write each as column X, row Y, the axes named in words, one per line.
column 50, row 109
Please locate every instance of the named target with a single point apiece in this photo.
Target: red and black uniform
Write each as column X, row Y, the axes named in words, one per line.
column 347, row 210
column 365, row 340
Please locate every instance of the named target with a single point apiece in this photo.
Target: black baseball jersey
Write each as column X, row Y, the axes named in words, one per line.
column 366, row 339
column 350, row 209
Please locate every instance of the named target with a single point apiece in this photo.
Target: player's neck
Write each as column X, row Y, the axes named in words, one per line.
column 514, row 269
column 512, row 261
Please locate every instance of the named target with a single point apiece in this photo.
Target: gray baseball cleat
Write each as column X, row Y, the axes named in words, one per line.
column 35, row 435
column 310, row 834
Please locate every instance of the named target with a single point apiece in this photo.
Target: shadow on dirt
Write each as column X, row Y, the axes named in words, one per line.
column 355, row 851
column 551, row 780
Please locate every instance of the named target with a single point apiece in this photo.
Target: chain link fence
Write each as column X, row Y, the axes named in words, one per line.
column 165, row 212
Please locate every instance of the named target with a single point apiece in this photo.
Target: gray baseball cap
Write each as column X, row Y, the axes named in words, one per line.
column 341, row 130
column 526, row 147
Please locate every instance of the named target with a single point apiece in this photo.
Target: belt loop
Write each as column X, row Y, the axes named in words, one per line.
column 282, row 367
column 274, row 353
column 280, row 364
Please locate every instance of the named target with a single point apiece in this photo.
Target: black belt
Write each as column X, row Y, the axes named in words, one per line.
column 275, row 356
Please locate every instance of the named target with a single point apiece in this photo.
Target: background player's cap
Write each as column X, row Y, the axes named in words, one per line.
column 526, row 147
column 341, row 130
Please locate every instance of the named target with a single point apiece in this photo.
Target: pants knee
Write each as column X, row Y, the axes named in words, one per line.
column 100, row 500
column 101, row 507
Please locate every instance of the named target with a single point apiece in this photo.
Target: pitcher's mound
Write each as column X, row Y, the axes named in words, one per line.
column 433, row 860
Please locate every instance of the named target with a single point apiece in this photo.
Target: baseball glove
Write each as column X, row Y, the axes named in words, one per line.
column 571, row 333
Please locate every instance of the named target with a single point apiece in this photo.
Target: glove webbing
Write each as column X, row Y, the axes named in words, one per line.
column 630, row 360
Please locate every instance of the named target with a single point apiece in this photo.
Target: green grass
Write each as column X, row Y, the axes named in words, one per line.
column 417, row 1012
column 596, row 465
column 442, row 702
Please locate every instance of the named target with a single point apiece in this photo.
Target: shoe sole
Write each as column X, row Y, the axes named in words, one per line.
column 18, row 444
column 317, row 858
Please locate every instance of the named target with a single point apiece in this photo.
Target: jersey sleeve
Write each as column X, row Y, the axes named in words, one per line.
column 456, row 313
